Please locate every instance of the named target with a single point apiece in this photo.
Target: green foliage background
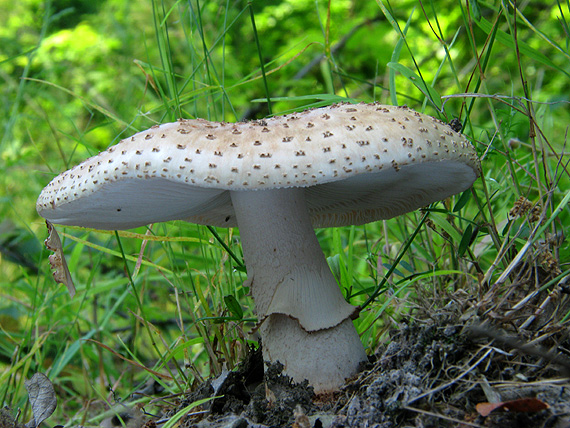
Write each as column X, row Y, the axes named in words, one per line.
column 77, row 76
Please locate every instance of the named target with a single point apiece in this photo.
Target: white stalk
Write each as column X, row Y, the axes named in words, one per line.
column 304, row 314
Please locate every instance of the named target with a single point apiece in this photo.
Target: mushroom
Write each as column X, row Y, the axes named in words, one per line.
column 276, row 179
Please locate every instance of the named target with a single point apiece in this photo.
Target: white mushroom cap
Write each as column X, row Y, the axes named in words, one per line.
column 357, row 163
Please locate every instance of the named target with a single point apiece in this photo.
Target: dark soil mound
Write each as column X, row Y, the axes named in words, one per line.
column 431, row 374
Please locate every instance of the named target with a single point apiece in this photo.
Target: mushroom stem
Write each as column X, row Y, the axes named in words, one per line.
column 297, row 298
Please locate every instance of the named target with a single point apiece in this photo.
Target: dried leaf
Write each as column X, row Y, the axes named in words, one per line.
column 42, row 398
column 522, row 405
column 57, row 261
column 301, row 419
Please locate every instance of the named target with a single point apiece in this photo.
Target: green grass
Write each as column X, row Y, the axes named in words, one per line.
column 168, row 302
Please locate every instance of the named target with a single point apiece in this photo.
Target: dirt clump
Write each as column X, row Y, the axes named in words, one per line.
column 248, row 397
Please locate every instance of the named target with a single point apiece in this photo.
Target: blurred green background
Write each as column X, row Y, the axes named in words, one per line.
column 78, row 76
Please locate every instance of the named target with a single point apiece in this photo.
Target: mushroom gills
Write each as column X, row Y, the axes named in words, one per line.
column 386, row 194
column 132, row 203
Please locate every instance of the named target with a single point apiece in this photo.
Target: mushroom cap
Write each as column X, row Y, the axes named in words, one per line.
column 357, row 162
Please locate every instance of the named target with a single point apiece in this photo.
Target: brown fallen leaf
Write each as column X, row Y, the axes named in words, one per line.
column 521, row 405
column 57, row 261
column 42, row 398
column 301, row 419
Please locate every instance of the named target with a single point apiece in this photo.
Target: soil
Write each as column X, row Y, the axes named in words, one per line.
column 436, row 371
column 431, row 374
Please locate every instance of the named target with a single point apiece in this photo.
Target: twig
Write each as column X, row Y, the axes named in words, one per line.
column 448, row 384
column 526, row 348
column 447, row 418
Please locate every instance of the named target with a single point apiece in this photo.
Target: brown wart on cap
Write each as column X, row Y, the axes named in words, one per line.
column 276, row 180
